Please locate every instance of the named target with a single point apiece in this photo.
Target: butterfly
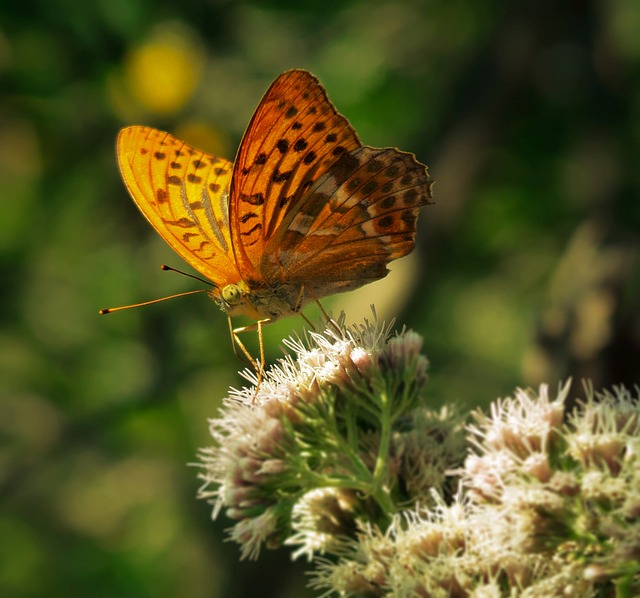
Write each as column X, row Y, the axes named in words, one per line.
column 305, row 210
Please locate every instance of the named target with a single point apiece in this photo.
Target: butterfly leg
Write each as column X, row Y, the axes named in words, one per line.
column 244, row 355
column 327, row 317
column 237, row 343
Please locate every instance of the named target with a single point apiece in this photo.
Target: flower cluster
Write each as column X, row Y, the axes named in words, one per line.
column 332, row 440
column 337, row 456
column 571, row 489
column 546, row 507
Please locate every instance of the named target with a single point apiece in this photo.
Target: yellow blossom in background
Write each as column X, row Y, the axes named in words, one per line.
column 162, row 74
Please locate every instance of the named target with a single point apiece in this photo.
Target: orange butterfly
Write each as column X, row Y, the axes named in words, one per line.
column 305, row 210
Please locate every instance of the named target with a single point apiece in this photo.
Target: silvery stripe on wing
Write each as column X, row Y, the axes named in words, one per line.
column 301, row 223
column 215, row 225
column 185, row 203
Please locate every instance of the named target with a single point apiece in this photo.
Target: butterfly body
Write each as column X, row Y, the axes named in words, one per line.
column 304, row 211
column 259, row 303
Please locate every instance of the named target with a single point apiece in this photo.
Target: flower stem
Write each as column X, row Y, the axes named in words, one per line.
column 380, row 488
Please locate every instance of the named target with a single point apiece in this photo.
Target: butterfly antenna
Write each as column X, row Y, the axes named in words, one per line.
column 170, row 269
column 109, row 310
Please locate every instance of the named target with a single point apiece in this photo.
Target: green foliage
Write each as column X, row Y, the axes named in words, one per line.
column 526, row 267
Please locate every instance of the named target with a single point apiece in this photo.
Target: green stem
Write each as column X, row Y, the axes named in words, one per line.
column 349, row 447
column 320, row 481
column 624, row 584
column 380, row 490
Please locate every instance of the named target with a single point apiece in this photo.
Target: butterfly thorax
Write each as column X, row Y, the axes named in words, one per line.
column 258, row 302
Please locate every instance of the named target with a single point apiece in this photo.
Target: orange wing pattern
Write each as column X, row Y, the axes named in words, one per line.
column 295, row 135
column 184, row 194
column 355, row 219
column 305, row 206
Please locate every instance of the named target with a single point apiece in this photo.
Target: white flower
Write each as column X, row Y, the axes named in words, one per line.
column 313, row 435
column 323, row 519
column 252, row 533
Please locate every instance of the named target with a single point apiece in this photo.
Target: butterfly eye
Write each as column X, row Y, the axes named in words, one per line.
column 231, row 294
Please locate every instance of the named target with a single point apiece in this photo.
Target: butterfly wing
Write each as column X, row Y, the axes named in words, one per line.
column 356, row 218
column 184, row 194
column 306, row 204
column 294, row 137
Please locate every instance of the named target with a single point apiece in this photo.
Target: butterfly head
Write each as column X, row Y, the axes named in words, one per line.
column 229, row 298
column 236, row 300
column 231, row 294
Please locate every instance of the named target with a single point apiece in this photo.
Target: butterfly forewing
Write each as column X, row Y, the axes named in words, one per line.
column 294, row 137
column 183, row 193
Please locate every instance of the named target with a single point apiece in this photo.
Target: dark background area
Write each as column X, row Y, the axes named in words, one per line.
column 525, row 271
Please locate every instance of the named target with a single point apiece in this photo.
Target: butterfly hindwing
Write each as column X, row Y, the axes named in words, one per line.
column 355, row 219
column 183, row 193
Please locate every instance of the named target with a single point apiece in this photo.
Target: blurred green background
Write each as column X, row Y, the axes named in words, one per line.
column 526, row 268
